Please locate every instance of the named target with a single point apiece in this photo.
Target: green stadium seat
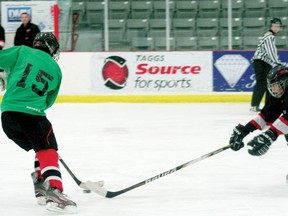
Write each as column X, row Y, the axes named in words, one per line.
column 160, row 43
column 119, row 10
column 253, row 26
column 236, row 26
column 142, row 43
column 209, row 9
column 277, row 8
column 186, row 9
column 255, row 8
column 186, row 43
column 207, row 27
column 208, row 43
column 141, row 10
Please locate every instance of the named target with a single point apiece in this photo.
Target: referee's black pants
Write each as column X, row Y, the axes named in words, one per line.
column 261, row 69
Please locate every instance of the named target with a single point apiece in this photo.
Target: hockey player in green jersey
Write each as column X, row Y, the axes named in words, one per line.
column 33, row 81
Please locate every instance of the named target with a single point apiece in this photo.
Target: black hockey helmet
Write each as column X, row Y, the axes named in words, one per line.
column 277, row 78
column 275, row 20
column 47, row 42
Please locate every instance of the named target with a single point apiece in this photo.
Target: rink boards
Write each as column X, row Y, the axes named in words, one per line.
column 152, row 77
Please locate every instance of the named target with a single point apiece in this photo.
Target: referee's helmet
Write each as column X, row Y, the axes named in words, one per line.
column 275, row 20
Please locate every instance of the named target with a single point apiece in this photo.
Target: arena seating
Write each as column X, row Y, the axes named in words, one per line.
column 199, row 23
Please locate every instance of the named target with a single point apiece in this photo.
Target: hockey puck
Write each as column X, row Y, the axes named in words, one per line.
column 86, row 191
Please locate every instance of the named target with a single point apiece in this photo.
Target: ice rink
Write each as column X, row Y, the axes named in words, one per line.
column 124, row 144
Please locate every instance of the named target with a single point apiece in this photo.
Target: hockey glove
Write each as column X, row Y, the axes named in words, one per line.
column 273, row 65
column 261, row 143
column 3, row 80
column 285, row 64
column 236, row 139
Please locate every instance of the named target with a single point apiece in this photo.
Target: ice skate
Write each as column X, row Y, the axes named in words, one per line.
column 39, row 189
column 59, row 202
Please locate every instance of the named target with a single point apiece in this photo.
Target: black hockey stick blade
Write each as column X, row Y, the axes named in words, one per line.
column 110, row 194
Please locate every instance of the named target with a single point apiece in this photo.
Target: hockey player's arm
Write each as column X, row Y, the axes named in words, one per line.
column 259, row 122
column 269, row 116
column 271, row 50
column 8, row 58
column 261, row 143
column 270, row 112
column 280, row 126
column 55, row 88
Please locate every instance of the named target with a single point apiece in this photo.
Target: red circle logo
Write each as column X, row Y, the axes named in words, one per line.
column 115, row 72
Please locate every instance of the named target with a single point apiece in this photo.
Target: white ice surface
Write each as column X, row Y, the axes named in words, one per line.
column 124, row 144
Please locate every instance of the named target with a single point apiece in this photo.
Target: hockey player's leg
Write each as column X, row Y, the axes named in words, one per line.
column 38, row 183
column 56, row 200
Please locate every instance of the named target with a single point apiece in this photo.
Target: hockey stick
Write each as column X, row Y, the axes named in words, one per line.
column 81, row 184
column 110, row 194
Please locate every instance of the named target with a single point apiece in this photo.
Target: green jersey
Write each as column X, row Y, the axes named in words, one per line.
column 34, row 80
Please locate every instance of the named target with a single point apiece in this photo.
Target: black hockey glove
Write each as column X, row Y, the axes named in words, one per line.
column 286, row 138
column 236, row 139
column 261, row 143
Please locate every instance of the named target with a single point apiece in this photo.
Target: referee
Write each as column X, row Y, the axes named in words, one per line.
column 264, row 57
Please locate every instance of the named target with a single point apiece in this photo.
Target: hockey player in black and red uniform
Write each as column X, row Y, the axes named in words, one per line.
column 274, row 115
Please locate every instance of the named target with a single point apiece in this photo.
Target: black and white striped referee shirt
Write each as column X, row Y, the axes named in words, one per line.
column 266, row 49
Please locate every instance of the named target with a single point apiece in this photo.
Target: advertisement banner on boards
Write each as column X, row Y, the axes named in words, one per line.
column 152, row 73
column 233, row 71
column 41, row 13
